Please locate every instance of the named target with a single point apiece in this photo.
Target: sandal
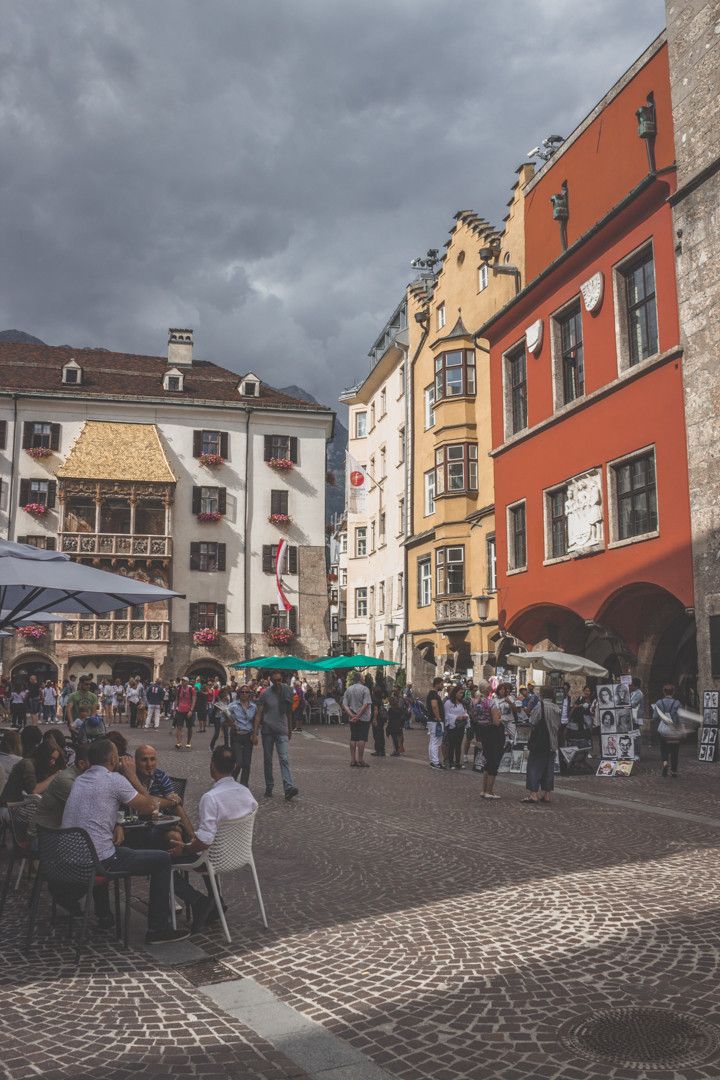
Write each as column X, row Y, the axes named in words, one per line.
column 530, row 800
column 353, row 764
column 363, row 765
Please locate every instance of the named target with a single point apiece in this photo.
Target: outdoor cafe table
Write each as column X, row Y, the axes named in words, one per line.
column 164, row 821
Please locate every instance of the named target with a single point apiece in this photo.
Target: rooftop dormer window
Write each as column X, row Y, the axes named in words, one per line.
column 173, row 380
column 249, row 386
column 72, row 374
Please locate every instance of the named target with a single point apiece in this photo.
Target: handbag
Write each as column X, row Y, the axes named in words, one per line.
column 667, row 728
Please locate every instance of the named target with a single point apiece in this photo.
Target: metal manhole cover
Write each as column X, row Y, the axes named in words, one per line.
column 642, row 1037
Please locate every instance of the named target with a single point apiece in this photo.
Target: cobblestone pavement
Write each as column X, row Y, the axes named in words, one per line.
column 444, row 936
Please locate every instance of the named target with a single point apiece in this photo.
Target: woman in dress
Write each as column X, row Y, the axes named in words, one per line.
column 397, row 715
column 456, row 718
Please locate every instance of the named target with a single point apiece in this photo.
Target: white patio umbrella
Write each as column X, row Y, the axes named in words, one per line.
column 563, row 662
column 34, row 581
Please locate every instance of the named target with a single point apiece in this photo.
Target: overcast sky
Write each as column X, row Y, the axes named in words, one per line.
column 264, row 170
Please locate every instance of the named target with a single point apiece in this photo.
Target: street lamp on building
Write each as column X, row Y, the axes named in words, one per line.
column 391, row 628
column 482, row 603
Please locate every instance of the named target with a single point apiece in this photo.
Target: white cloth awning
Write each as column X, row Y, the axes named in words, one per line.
column 563, row 662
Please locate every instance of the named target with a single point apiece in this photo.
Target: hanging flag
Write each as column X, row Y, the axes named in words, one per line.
column 280, row 560
column 358, row 484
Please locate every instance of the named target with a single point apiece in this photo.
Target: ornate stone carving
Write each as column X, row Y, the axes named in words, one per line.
column 534, row 337
column 584, row 512
column 592, row 291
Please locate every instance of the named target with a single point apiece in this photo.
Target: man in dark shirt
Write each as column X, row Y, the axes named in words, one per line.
column 435, row 728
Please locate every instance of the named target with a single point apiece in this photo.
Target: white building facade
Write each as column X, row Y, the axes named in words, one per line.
column 175, row 471
column 377, row 425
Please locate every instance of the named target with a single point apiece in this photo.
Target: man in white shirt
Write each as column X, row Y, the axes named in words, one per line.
column 93, row 804
column 225, row 801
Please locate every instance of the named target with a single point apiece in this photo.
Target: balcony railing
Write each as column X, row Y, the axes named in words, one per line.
column 115, row 544
column 115, row 630
column 455, row 612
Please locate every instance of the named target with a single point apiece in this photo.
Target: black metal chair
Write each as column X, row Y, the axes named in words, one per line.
column 21, row 815
column 68, row 863
column 179, row 784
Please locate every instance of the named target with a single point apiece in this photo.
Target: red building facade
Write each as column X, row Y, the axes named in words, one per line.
column 590, row 465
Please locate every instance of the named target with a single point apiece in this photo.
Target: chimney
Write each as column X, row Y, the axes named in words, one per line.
column 180, row 347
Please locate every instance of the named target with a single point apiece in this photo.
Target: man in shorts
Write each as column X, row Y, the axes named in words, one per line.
column 184, row 713
column 357, row 704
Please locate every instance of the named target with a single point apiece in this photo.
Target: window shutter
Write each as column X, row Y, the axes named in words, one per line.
column 266, row 617
column 24, row 492
column 27, row 434
column 52, row 490
column 220, row 620
column 278, row 502
column 293, row 449
column 293, row 620
column 268, row 447
column 196, row 500
column 224, row 444
column 197, row 443
column 50, row 544
column 222, row 500
column 54, row 436
column 221, row 556
column 292, row 559
column 194, row 556
column 193, row 617
column 3, row 434
column 267, row 559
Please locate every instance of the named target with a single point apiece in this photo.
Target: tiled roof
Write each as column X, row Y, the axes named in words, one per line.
column 111, row 451
column 127, row 375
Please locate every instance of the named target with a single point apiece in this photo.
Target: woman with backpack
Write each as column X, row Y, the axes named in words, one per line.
column 670, row 730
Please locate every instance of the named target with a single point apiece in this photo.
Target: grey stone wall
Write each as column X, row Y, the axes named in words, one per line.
column 314, row 618
column 694, row 50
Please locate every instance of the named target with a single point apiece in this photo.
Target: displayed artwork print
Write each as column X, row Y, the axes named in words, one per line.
column 623, row 720
column 605, row 696
column 710, row 699
column 516, row 764
column 609, row 746
column 607, row 720
column 606, row 768
column 710, row 717
column 505, row 762
column 626, row 747
column 624, row 768
column 707, row 752
column 709, row 736
column 622, row 694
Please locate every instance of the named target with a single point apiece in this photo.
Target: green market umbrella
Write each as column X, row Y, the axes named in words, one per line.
column 279, row 663
column 335, row 663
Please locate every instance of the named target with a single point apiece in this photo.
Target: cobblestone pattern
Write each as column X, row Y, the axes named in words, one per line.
column 444, row 936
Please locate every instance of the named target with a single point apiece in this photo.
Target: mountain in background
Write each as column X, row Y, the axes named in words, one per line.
column 19, row 337
column 335, row 460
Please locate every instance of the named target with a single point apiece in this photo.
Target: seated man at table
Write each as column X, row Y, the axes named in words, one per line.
column 147, row 777
column 225, row 801
column 93, row 804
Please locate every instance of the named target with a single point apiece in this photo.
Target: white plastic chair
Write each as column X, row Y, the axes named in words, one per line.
column 230, row 850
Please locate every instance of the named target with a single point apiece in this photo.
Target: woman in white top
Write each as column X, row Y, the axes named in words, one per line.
column 456, row 718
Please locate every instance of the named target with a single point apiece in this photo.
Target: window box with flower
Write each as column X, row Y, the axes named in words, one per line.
column 208, row 636
column 280, row 635
column 209, row 515
column 281, row 520
column 35, row 508
column 282, row 464
column 38, row 452
column 32, row 633
column 211, row 461
column 332, row 576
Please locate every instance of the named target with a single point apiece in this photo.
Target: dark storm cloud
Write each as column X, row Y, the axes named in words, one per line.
column 265, row 170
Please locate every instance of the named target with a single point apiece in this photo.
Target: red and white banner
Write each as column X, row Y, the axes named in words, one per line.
column 280, row 560
column 358, row 484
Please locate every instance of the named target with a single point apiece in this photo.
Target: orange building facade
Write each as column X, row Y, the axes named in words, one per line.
column 588, row 430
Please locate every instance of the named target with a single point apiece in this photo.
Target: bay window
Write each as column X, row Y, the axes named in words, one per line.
column 456, row 468
column 455, row 374
column 450, row 571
